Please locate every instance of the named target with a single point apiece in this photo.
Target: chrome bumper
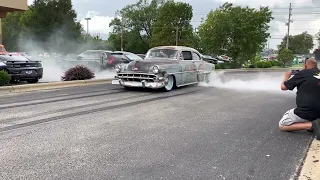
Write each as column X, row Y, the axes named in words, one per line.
column 160, row 83
column 142, row 84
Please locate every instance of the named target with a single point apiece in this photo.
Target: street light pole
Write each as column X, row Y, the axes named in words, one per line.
column 121, row 29
column 88, row 19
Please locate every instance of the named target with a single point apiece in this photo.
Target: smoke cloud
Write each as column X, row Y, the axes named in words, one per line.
column 247, row 81
column 61, row 50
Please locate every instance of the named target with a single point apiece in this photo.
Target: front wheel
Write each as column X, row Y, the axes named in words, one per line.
column 170, row 83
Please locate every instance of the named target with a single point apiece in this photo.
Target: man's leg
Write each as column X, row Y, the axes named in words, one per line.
column 292, row 122
column 318, row 62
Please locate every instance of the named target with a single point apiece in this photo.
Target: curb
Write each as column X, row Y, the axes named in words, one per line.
column 51, row 85
column 311, row 166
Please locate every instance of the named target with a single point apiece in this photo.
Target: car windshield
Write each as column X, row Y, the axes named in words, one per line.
column 117, row 55
column 91, row 54
column 162, row 53
column 133, row 57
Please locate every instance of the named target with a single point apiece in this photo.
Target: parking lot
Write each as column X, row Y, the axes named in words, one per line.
column 107, row 132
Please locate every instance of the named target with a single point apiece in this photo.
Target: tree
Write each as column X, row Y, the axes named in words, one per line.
column 173, row 22
column 298, row 44
column 239, row 32
column 139, row 18
column 52, row 25
column 285, row 57
column 131, row 40
column 11, row 30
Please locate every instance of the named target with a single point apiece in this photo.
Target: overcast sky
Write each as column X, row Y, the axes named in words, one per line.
column 305, row 14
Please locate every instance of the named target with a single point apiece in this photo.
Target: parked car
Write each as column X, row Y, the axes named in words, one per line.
column 210, row 59
column 2, row 50
column 21, row 68
column 165, row 67
column 104, row 59
column 142, row 55
column 122, row 57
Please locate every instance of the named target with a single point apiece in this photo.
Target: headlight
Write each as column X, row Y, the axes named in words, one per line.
column 2, row 64
column 118, row 68
column 155, row 69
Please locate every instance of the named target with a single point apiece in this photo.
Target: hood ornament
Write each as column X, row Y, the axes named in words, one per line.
column 134, row 69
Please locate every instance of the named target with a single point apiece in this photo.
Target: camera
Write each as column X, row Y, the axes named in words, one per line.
column 294, row 71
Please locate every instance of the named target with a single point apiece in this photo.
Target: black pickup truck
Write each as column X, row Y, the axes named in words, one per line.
column 21, row 68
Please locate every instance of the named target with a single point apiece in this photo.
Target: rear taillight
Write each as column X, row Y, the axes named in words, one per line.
column 111, row 60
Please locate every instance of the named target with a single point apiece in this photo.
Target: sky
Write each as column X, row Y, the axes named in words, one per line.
column 305, row 15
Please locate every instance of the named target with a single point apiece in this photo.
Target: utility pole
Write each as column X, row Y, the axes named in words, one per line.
column 177, row 35
column 121, row 36
column 288, row 24
column 88, row 19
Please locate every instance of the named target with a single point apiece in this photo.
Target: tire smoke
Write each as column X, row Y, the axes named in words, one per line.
column 247, row 81
column 57, row 62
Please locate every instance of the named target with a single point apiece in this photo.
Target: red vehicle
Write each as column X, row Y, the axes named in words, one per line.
column 2, row 50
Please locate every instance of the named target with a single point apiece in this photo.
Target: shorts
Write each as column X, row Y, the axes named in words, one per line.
column 289, row 118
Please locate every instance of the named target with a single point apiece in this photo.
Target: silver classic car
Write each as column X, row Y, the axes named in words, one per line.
column 165, row 67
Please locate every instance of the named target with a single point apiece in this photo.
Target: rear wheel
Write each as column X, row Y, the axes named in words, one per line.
column 206, row 78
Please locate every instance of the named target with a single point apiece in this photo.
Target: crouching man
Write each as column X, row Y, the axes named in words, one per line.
column 306, row 116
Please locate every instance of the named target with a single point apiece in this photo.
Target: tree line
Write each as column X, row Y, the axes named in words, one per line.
column 239, row 32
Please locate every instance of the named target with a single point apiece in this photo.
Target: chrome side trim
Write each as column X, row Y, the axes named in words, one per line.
column 187, row 84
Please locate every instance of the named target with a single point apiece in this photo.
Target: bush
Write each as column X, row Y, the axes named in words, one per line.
column 5, row 78
column 263, row 64
column 227, row 65
column 274, row 63
column 78, row 72
column 285, row 57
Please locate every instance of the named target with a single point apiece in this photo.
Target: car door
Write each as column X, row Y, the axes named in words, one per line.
column 189, row 68
column 198, row 62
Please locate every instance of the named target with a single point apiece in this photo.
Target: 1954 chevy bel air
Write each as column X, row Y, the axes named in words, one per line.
column 165, row 67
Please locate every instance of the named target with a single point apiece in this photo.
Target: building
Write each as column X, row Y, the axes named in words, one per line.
column 11, row 6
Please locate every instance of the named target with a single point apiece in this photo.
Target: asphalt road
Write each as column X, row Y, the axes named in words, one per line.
column 106, row 132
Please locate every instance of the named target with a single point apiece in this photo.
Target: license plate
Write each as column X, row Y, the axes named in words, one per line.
column 115, row 81
column 28, row 72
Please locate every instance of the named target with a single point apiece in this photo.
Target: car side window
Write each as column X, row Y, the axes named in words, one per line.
column 186, row 55
column 195, row 56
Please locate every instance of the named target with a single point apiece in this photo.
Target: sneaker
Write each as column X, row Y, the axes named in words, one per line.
column 316, row 129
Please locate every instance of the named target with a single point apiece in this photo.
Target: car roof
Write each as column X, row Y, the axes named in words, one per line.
column 178, row 48
column 124, row 52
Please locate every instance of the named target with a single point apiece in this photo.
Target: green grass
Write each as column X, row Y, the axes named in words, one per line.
column 297, row 65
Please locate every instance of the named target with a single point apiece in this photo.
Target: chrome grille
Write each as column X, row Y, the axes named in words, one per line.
column 137, row 77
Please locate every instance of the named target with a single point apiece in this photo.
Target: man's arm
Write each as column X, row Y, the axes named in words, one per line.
column 290, row 83
column 286, row 77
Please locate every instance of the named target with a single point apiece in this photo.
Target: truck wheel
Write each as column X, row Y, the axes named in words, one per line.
column 32, row 81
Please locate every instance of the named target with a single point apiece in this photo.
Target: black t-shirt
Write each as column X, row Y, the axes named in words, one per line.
column 307, row 82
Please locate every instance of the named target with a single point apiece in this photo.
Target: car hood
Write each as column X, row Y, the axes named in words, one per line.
column 146, row 64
